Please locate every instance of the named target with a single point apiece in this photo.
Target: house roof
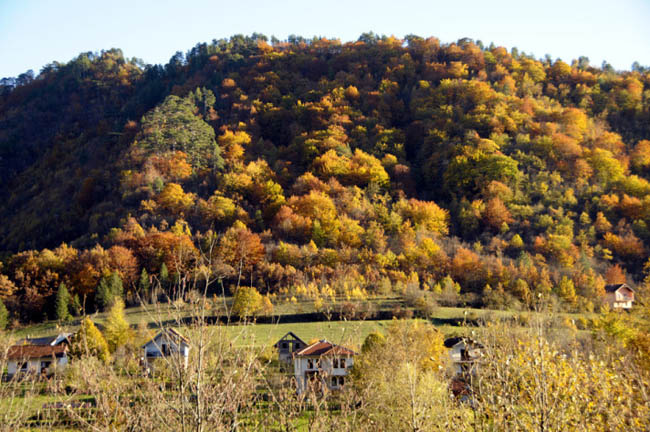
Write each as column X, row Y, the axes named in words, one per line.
column 48, row 340
column 322, row 348
column 24, row 352
column 615, row 287
column 452, row 341
column 293, row 335
column 172, row 334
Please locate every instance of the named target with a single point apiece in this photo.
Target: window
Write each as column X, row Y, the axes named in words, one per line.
column 335, row 363
column 310, row 364
column 285, row 345
column 23, row 367
column 334, row 381
column 45, row 365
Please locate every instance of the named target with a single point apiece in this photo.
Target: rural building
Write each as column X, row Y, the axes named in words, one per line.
column 167, row 343
column 287, row 345
column 464, row 353
column 322, row 364
column 619, row 296
column 38, row 356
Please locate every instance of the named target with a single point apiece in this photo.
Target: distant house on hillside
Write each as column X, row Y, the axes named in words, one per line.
column 619, row 296
column 39, row 356
column 322, row 364
column 167, row 343
column 464, row 353
column 287, row 345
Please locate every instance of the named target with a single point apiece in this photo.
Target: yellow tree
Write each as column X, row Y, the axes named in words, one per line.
column 117, row 330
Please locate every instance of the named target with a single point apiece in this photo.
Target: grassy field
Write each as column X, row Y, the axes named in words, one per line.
column 450, row 320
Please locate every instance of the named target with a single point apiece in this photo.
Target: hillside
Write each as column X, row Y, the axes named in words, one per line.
column 455, row 173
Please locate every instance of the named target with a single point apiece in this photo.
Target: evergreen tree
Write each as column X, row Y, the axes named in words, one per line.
column 164, row 277
column 117, row 330
column 4, row 316
column 63, row 304
column 110, row 288
column 143, row 282
column 90, row 341
column 76, row 305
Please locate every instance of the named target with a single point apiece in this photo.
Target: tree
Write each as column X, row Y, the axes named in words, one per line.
column 615, row 275
column 89, row 341
column 63, row 304
column 4, row 316
column 247, row 302
column 241, row 248
column 164, row 276
column 173, row 125
column 144, row 283
column 110, row 289
column 116, row 329
column 399, row 379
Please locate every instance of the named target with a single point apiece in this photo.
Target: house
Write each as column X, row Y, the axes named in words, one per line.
column 287, row 345
column 322, row 364
column 167, row 343
column 37, row 356
column 619, row 296
column 464, row 353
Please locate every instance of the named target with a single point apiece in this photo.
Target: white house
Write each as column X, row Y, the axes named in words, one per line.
column 167, row 343
column 619, row 296
column 39, row 356
column 464, row 353
column 322, row 364
column 287, row 345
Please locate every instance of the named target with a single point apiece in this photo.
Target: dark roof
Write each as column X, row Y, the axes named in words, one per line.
column 24, row 352
column 616, row 287
column 48, row 340
column 293, row 335
column 322, row 348
column 450, row 342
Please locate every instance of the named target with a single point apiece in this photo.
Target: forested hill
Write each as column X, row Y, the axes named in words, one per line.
column 378, row 162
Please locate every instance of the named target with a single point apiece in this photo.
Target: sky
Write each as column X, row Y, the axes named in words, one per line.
column 36, row 32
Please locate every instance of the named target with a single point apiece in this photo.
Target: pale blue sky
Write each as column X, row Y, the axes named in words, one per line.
column 36, row 32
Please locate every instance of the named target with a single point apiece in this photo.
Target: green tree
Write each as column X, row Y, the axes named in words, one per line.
column 110, row 288
column 144, row 283
column 76, row 305
column 63, row 304
column 117, row 330
column 89, row 341
column 163, row 275
column 4, row 316
column 174, row 125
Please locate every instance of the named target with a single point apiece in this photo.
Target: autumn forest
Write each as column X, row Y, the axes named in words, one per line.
column 459, row 173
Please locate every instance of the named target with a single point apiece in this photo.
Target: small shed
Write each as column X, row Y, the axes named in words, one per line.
column 287, row 345
column 167, row 343
column 619, row 296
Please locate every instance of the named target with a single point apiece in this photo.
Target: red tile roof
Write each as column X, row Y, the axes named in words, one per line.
column 24, row 352
column 322, row 348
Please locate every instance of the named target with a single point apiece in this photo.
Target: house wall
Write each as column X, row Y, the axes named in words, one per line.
column 154, row 348
column 301, row 367
column 34, row 365
column 619, row 300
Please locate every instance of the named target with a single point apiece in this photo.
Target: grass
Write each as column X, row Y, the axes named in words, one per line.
column 450, row 320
